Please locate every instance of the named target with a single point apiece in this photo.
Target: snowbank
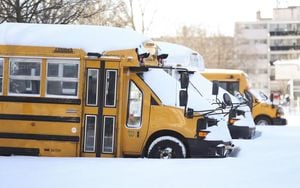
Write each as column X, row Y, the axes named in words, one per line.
column 271, row 159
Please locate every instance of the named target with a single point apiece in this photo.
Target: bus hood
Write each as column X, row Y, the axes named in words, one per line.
column 167, row 89
column 245, row 120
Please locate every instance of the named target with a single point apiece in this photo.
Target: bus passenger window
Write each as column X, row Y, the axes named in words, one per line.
column 134, row 106
column 231, row 87
column 90, row 133
column 108, row 134
column 1, row 74
column 110, row 88
column 92, row 87
column 62, row 78
column 24, row 76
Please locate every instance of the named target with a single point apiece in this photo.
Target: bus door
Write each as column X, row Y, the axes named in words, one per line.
column 137, row 118
column 100, row 112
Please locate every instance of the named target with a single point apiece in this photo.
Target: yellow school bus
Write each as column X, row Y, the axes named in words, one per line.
column 61, row 100
column 264, row 111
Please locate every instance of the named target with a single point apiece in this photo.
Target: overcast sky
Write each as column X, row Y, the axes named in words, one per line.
column 214, row 15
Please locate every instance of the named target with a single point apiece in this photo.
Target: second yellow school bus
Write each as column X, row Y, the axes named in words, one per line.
column 263, row 112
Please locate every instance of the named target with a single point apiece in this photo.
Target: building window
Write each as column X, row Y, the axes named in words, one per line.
column 1, row 75
column 24, row 76
column 62, row 78
column 134, row 106
column 92, row 87
column 260, row 41
column 108, row 134
column 90, row 133
column 110, row 88
column 255, row 26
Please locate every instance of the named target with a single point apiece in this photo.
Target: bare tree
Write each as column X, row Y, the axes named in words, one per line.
column 217, row 50
column 138, row 11
column 107, row 12
column 221, row 51
column 47, row 11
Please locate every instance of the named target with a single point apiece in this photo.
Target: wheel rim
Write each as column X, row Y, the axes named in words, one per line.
column 262, row 122
column 166, row 153
column 166, row 147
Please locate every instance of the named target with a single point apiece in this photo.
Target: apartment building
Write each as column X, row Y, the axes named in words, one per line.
column 260, row 43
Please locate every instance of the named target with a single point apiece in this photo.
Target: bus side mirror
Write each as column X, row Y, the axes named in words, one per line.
column 272, row 97
column 227, row 99
column 249, row 98
column 215, row 87
column 184, row 80
column 161, row 57
column 183, row 98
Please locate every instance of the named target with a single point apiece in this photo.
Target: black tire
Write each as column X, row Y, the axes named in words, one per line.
column 166, row 147
column 262, row 120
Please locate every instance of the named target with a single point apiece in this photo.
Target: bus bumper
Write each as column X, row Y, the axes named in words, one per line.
column 204, row 148
column 241, row 132
column 279, row 121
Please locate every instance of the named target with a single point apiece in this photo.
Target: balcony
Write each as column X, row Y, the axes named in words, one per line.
column 284, row 33
column 284, row 48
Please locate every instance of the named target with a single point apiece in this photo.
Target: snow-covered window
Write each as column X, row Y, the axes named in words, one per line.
column 24, row 76
column 108, row 134
column 62, row 78
column 1, row 75
column 134, row 106
column 92, row 87
column 90, row 133
column 110, row 88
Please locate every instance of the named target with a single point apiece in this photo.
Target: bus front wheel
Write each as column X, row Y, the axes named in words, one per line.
column 262, row 120
column 167, row 147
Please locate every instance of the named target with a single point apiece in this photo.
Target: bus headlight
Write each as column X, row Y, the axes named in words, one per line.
column 203, row 134
column 233, row 120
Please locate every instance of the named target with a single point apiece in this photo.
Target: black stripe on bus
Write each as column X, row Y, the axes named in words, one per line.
column 7, row 151
column 40, row 118
column 39, row 137
column 40, row 100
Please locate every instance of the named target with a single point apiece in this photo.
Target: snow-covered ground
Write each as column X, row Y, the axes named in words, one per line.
column 271, row 159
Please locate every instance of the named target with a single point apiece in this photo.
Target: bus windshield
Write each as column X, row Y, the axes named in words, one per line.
column 259, row 95
column 204, row 86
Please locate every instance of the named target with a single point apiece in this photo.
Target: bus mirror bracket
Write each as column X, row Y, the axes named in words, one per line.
column 189, row 112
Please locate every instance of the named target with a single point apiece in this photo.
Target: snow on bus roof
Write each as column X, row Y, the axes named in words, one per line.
column 181, row 55
column 87, row 37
